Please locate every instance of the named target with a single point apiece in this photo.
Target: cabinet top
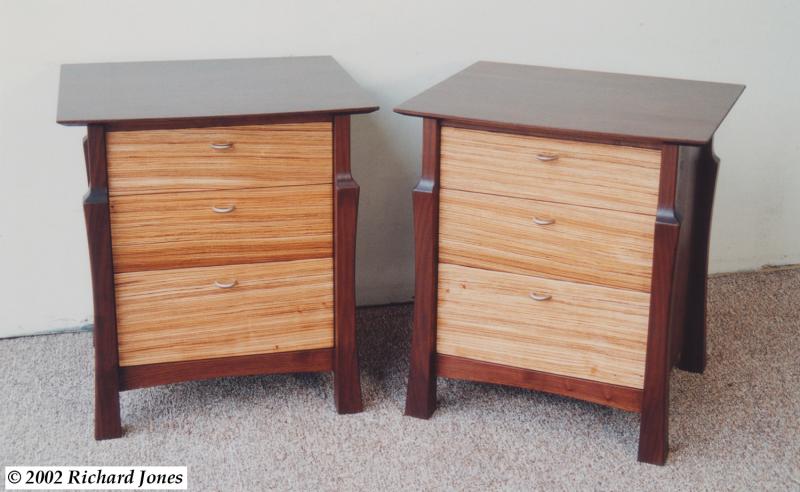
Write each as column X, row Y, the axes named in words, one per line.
column 578, row 103
column 167, row 90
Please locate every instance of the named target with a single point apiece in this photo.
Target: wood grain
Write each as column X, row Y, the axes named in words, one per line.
column 611, row 395
column 588, row 245
column 159, row 161
column 583, row 331
column 179, row 230
column 595, row 175
column 176, row 315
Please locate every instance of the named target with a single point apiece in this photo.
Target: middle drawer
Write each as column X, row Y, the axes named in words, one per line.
column 564, row 242
column 191, row 229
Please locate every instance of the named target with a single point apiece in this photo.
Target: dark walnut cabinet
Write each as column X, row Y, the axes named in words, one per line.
column 561, row 230
column 221, row 218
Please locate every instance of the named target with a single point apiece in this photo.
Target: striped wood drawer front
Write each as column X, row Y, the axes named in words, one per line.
column 588, row 245
column 612, row 177
column 158, row 161
column 178, row 315
column 583, row 331
column 178, row 230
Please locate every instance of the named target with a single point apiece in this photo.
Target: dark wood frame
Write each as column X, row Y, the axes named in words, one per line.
column 98, row 230
column 677, row 325
column 421, row 397
column 110, row 378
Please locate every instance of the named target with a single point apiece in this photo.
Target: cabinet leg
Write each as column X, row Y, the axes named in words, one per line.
column 106, row 362
column 421, row 396
column 654, row 430
column 347, row 383
column 107, row 423
column 346, row 376
column 98, row 229
column 693, row 351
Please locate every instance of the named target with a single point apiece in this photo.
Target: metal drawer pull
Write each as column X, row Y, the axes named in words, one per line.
column 224, row 285
column 223, row 210
column 539, row 221
column 221, row 146
column 547, row 157
column 540, row 297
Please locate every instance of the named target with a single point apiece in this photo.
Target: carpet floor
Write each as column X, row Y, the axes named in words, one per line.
column 735, row 427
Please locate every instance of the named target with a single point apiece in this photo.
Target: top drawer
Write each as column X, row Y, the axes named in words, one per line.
column 613, row 177
column 196, row 159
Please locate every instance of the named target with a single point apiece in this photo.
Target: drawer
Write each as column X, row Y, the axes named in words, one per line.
column 582, row 244
column 178, row 315
column 594, row 175
column 157, row 161
column 582, row 331
column 177, row 230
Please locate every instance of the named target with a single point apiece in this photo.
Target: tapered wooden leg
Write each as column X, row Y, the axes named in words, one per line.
column 421, row 396
column 654, row 430
column 693, row 351
column 98, row 228
column 346, row 377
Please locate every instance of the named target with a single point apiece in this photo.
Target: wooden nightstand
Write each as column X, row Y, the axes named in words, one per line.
column 561, row 229
column 221, row 218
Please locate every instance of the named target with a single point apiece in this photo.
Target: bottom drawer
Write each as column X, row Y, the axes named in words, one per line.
column 583, row 331
column 222, row 311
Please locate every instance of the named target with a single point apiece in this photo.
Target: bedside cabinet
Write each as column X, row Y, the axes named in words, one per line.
column 221, row 219
column 561, row 230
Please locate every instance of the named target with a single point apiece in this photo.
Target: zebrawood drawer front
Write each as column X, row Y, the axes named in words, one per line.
column 177, row 230
column 603, row 176
column 203, row 313
column 576, row 330
column 157, row 161
column 588, row 245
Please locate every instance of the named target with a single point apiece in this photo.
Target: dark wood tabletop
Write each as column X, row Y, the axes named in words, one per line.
column 579, row 103
column 137, row 91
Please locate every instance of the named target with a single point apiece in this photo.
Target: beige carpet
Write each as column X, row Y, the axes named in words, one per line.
column 736, row 427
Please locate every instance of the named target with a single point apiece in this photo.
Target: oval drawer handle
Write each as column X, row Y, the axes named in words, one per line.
column 540, row 297
column 547, row 157
column 224, row 285
column 539, row 221
column 223, row 210
column 221, row 146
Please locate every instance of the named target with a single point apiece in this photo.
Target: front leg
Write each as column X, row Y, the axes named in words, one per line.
column 98, row 229
column 654, row 430
column 421, row 396
column 346, row 375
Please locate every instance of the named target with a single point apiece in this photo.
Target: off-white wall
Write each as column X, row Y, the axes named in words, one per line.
column 394, row 49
